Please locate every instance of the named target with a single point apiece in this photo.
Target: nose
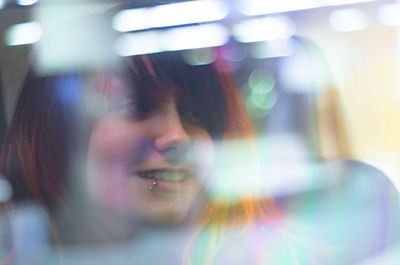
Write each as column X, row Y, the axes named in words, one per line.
column 172, row 136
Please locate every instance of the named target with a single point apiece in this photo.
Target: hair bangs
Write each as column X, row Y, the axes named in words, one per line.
column 159, row 75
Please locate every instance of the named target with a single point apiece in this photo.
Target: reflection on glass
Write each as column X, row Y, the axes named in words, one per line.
column 159, row 132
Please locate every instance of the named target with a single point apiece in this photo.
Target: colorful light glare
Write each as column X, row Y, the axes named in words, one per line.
column 263, row 29
column 266, row 102
column 234, row 53
column 346, row 20
column 170, row 15
column 23, row 33
column 26, row 2
column 200, row 56
column 261, row 82
column 193, row 37
column 262, row 95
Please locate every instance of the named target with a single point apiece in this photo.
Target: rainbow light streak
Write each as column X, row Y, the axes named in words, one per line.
column 263, row 29
column 26, row 2
column 193, row 37
column 170, row 15
column 23, row 33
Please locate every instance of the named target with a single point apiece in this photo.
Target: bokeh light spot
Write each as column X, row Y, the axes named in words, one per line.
column 199, row 56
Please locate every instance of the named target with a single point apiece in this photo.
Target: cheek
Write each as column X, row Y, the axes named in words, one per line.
column 120, row 193
column 113, row 146
column 204, row 152
column 113, row 141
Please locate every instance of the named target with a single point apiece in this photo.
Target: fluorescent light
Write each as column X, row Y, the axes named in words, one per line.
column 132, row 19
column 193, row 37
column 344, row 2
column 262, row 7
column 170, row 15
column 388, row 15
column 351, row 19
column 23, row 33
column 2, row 3
column 138, row 43
column 26, row 2
column 262, row 29
column 188, row 12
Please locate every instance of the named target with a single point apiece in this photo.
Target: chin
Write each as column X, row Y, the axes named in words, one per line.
column 167, row 217
column 170, row 220
column 170, row 208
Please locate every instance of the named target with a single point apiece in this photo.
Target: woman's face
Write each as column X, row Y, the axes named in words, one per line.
column 148, row 160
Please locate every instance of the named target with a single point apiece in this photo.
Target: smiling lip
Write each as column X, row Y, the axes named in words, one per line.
column 165, row 179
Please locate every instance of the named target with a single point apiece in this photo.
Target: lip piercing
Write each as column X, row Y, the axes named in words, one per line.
column 154, row 183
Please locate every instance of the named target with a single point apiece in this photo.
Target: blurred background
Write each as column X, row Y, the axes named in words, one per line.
column 320, row 79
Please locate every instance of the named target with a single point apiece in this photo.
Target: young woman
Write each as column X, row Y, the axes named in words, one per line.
column 109, row 155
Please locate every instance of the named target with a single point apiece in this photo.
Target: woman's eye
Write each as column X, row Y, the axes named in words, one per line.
column 138, row 109
column 190, row 113
column 135, row 107
column 126, row 107
column 132, row 109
